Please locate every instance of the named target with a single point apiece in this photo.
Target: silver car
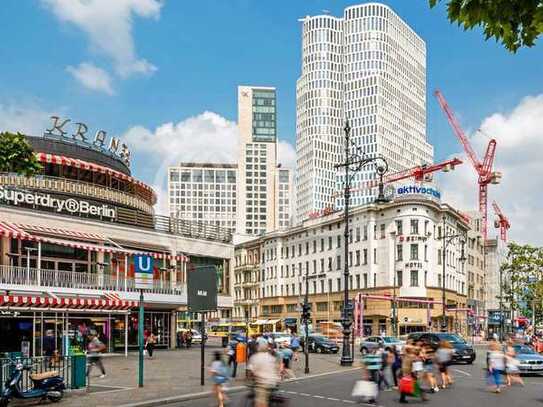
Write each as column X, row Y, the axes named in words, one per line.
column 374, row 342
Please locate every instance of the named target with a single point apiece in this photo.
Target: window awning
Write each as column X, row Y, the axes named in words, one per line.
column 65, row 237
column 72, row 162
column 24, row 301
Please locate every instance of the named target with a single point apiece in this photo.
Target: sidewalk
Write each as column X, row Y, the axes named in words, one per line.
column 171, row 373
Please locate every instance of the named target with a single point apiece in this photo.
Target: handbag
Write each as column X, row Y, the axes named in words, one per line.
column 365, row 389
column 407, row 385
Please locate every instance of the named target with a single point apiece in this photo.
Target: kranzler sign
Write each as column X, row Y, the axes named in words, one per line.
column 69, row 205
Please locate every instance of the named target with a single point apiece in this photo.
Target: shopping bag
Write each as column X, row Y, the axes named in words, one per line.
column 365, row 389
column 407, row 385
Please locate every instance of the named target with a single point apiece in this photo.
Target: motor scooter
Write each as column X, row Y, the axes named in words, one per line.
column 46, row 385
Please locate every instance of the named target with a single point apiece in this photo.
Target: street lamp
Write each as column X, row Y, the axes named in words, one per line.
column 306, row 316
column 447, row 239
column 394, row 301
column 354, row 162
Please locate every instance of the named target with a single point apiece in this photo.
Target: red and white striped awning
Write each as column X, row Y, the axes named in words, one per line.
column 65, row 302
column 12, row 230
column 73, row 162
column 16, row 230
column 60, row 232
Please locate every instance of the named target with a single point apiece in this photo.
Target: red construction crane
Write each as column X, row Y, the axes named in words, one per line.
column 502, row 222
column 483, row 169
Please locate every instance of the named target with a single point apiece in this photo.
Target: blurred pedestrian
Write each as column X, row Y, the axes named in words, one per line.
column 511, row 365
column 443, row 359
column 150, row 344
column 94, row 349
column 219, row 376
column 232, row 359
column 496, row 365
column 265, row 372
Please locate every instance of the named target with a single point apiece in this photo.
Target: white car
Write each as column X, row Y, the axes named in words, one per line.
column 280, row 338
column 196, row 335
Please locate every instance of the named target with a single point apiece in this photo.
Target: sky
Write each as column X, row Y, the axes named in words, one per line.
column 163, row 76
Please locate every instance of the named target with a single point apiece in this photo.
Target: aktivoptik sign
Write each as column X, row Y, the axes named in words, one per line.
column 429, row 192
column 70, row 205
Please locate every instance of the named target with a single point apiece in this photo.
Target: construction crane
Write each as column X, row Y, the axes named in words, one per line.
column 483, row 169
column 419, row 173
column 502, row 222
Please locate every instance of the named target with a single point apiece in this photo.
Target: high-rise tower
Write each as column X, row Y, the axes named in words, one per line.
column 369, row 68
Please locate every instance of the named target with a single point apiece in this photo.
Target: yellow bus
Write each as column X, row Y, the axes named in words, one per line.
column 225, row 330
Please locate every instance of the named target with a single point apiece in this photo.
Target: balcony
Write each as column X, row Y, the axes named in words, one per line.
column 31, row 279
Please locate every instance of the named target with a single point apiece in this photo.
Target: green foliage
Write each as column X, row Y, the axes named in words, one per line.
column 516, row 23
column 523, row 278
column 16, row 155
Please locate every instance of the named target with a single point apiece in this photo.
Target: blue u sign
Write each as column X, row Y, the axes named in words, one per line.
column 143, row 264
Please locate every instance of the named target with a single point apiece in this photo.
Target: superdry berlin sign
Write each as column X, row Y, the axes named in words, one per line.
column 115, row 148
column 70, row 205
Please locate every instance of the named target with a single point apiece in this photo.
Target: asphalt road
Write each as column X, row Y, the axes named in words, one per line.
column 334, row 390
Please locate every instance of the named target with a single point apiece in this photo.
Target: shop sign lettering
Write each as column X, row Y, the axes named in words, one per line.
column 78, row 133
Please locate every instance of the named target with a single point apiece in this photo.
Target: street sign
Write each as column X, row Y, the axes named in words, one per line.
column 143, row 270
column 202, row 289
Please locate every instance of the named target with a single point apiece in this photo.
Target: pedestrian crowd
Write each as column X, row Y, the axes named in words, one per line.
column 268, row 363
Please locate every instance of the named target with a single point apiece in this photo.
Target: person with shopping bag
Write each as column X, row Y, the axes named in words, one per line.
column 367, row 389
column 408, row 385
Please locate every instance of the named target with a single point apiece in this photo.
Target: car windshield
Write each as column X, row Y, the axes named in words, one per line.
column 523, row 349
column 450, row 338
column 319, row 338
column 390, row 339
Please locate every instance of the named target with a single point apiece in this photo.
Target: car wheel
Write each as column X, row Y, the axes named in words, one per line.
column 318, row 350
column 363, row 351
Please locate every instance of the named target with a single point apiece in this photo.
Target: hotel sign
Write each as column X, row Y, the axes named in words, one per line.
column 78, row 135
column 71, row 205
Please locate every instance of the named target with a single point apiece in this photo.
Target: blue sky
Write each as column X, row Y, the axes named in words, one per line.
column 197, row 52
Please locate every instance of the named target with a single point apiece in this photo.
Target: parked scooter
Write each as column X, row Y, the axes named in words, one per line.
column 47, row 385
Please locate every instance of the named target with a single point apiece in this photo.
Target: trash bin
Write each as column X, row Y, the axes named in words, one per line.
column 79, row 371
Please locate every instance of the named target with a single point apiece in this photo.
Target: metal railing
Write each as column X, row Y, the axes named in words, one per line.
column 40, row 364
column 73, row 279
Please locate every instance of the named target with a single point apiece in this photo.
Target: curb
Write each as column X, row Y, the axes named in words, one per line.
column 236, row 389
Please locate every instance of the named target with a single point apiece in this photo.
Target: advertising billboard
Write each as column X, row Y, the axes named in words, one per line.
column 202, row 289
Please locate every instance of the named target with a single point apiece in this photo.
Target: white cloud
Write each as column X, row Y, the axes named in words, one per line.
column 519, row 140
column 92, row 77
column 286, row 154
column 108, row 24
column 206, row 138
column 24, row 119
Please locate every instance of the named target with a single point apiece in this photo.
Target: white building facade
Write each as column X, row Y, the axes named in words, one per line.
column 205, row 193
column 393, row 247
column 369, row 68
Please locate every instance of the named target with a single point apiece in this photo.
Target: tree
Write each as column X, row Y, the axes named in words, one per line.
column 523, row 279
column 16, row 155
column 516, row 23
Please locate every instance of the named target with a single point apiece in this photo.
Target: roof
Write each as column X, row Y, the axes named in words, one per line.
column 206, row 165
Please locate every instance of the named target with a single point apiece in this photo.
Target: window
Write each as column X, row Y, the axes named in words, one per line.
column 339, row 284
column 358, row 281
column 350, row 259
column 399, row 278
column 414, row 227
column 329, row 242
column 329, row 285
column 399, row 252
column 338, row 264
column 365, row 252
column 365, row 230
column 329, row 263
column 439, row 256
column 322, row 306
column 374, row 256
column 358, row 234
column 322, row 265
column 382, row 228
column 357, row 258
column 439, row 280
column 322, row 245
column 365, row 281
column 339, row 241
column 399, row 227
column 414, row 278
column 414, row 251
column 314, row 246
column 425, row 252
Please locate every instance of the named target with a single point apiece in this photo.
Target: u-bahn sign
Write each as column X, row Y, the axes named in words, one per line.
column 99, row 142
column 202, row 289
column 143, row 272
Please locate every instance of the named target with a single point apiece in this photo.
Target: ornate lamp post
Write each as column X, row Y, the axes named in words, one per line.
column 355, row 160
column 447, row 239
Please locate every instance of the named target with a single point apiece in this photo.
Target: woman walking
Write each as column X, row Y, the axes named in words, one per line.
column 496, row 364
column 443, row 358
column 219, row 376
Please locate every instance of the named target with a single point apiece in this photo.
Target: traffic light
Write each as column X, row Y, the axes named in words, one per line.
column 306, row 312
column 349, row 310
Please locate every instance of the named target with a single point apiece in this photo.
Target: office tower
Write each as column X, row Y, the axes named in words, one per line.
column 283, row 198
column 257, row 121
column 204, row 192
column 368, row 67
